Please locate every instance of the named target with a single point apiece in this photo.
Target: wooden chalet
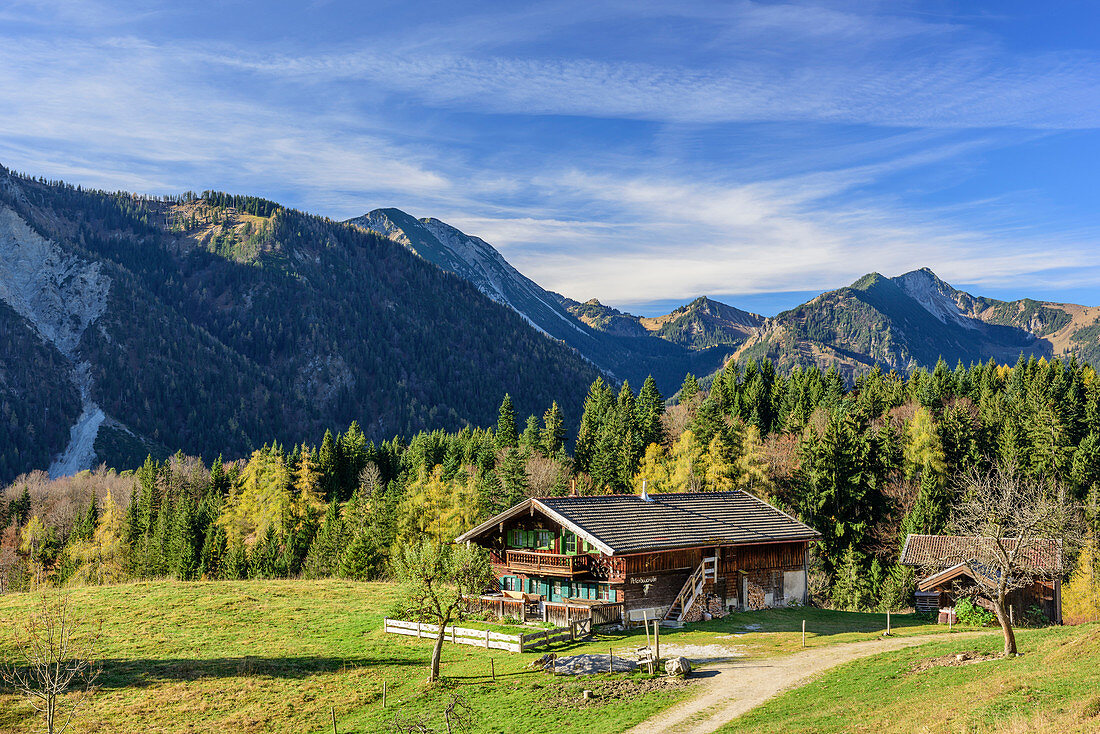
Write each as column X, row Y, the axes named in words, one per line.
column 960, row 559
column 662, row 556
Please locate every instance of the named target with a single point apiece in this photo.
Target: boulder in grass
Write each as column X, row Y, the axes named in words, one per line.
column 678, row 666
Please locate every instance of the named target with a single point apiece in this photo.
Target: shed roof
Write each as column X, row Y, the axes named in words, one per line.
column 626, row 523
column 1039, row 554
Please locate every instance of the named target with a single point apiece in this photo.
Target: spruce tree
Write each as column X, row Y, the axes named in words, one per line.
column 266, row 556
column 689, row 390
column 506, row 424
column 184, row 555
column 213, row 552
column 513, row 478
column 553, row 431
column 650, row 410
column 360, row 560
column 86, row 522
column 324, row 553
column 328, row 465
column 530, row 438
column 236, row 562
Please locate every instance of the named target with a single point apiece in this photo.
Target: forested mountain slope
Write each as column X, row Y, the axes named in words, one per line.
column 214, row 323
column 630, row 355
column 914, row 320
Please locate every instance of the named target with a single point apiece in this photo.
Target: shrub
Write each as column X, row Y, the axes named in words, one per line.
column 967, row 612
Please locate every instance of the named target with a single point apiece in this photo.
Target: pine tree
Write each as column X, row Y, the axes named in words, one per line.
column 353, row 457
column 506, row 424
column 687, row 464
column 897, row 588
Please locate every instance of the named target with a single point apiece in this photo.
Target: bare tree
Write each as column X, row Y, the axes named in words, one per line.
column 457, row 717
column 370, row 479
column 1012, row 531
column 436, row 578
column 57, row 675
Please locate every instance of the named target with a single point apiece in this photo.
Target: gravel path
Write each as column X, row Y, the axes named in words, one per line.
column 735, row 687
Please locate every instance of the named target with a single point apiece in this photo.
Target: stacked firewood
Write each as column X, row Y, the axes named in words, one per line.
column 756, row 597
column 707, row 606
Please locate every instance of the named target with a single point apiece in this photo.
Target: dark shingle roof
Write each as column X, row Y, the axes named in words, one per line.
column 1040, row 554
column 628, row 524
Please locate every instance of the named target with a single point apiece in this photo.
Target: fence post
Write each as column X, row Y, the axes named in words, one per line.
column 418, row 635
column 493, row 667
column 486, row 639
column 803, row 633
column 887, row 621
column 610, row 660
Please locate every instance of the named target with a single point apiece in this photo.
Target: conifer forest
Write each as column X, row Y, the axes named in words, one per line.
column 866, row 464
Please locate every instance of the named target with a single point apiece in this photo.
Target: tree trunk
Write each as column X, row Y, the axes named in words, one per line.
column 437, row 651
column 1000, row 607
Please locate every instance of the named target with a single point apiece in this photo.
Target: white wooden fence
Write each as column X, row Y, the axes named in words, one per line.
column 489, row 639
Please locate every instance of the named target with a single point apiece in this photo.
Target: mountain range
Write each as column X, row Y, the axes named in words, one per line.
column 214, row 323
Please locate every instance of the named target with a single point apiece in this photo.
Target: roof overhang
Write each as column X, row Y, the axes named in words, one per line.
column 948, row 574
column 527, row 507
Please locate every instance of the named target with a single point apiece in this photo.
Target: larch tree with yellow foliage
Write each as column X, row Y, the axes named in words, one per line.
column 752, row 465
column 101, row 560
column 924, row 458
column 719, row 474
column 654, row 470
column 1081, row 596
column 687, row 464
column 259, row 499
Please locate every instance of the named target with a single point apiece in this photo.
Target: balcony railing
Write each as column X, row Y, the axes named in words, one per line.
column 549, row 564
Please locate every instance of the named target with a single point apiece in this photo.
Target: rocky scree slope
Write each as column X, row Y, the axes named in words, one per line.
column 214, row 324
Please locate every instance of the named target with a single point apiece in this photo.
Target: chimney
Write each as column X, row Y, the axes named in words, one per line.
column 645, row 494
column 573, row 487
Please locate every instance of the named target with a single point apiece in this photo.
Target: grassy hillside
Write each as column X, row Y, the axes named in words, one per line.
column 258, row 656
column 1053, row 686
column 276, row 656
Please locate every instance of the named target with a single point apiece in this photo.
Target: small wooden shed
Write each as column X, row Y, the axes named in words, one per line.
column 961, row 561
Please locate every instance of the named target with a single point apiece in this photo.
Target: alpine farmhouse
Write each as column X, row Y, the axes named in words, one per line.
column 677, row 557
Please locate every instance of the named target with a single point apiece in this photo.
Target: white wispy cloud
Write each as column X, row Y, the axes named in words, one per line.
column 347, row 130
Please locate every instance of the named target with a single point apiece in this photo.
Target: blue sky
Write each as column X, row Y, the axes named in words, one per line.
column 641, row 153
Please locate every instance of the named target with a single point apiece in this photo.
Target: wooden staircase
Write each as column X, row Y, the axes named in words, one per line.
column 707, row 571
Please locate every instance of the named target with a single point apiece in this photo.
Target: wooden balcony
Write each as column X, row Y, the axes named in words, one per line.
column 544, row 564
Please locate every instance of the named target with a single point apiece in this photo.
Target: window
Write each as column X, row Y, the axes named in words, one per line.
column 544, row 538
column 570, row 542
column 604, row 592
column 508, row 583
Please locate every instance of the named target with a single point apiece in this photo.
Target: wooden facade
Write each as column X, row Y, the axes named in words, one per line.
column 539, row 559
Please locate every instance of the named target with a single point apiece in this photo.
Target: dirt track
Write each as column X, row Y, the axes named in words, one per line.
column 733, row 688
